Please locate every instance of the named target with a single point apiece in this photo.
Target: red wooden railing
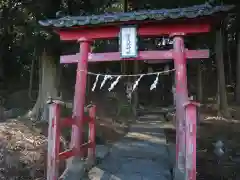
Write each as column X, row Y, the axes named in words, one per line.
column 54, row 132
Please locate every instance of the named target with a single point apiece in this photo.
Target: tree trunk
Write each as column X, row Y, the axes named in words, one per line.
column 230, row 72
column 237, row 91
column 47, row 86
column 221, row 75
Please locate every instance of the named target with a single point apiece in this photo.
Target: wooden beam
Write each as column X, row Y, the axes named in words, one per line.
column 104, row 32
column 143, row 55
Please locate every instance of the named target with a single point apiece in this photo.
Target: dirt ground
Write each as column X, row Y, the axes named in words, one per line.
column 23, row 147
column 210, row 130
column 22, row 151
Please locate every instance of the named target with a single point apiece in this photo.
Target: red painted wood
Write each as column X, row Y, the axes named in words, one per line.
column 74, row 152
column 157, row 56
column 143, row 30
column 92, row 135
column 86, row 119
column 79, row 96
column 53, row 142
column 67, row 122
column 84, row 149
column 191, row 128
column 55, row 124
column 66, row 154
column 181, row 98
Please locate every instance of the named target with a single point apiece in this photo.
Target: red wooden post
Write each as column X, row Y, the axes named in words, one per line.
column 92, row 135
column 53, row 141
column 191, row 128
column 144, row 29
column 79, row 96
column 181, row 98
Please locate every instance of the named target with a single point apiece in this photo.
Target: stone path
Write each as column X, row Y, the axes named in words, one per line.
column 141, row 155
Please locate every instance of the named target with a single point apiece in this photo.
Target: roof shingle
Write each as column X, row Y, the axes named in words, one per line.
column 158, row 15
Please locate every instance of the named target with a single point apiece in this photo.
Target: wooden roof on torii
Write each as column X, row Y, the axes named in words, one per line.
column 203, row 11
column 188, row 20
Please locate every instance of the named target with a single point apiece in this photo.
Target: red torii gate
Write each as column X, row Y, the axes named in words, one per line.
column 175, row 23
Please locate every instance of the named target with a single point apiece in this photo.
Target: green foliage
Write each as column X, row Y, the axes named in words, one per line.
column 21, row 37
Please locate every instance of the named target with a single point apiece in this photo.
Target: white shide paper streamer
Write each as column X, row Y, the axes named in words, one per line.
column 154, row 84
column 114, row 83
column 95, row 83
column 136, row 83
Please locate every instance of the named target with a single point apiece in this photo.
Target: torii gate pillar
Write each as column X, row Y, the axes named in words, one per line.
column 79, row 95
column 180, row 64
